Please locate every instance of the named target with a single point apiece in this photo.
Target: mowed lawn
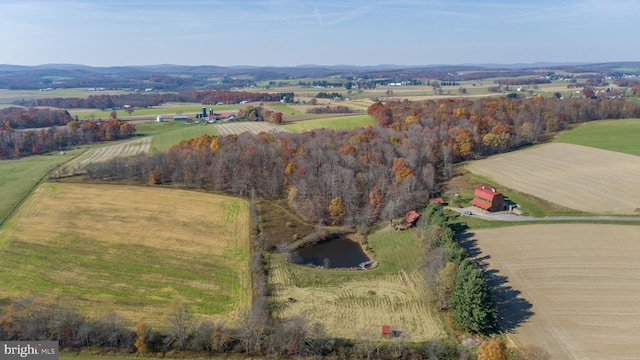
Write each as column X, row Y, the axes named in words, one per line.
column 136, row 251
column 618, row 135
column 581, row 282
column 338, row 123
column 353, row 304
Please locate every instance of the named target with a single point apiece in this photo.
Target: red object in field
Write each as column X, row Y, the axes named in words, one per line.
column 386, row 330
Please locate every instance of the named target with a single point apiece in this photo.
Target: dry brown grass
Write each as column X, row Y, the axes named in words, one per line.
column 127, row 148
column 582, row 281
column 350, row 309
column 137, row 251
column 574, row 176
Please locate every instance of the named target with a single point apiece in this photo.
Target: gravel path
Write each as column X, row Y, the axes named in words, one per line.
column 507, row 216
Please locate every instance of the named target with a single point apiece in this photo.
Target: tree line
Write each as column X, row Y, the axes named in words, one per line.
column 326, row 95
column 103, row 102
column 181, row 334
column 19, row 143
column 523, row 81
column 340, row 109
column 141, row 100
column 18, row 118
column 455, row 281
column 478, row 127
column 236, row 97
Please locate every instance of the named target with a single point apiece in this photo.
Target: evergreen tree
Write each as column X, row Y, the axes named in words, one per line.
column 470, row 303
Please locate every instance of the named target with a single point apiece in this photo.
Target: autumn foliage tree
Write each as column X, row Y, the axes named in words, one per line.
column 493, row 349
column 337, row 210
column 141, row 330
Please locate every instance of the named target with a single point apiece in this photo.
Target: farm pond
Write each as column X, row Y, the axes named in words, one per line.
column 333, row 253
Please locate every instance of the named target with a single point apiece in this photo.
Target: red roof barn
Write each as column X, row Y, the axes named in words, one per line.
column 487, row 199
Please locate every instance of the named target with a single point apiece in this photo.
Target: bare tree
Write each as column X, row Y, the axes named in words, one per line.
column 177, row 333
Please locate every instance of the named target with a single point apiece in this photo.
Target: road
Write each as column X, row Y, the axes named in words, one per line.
column 507, row 216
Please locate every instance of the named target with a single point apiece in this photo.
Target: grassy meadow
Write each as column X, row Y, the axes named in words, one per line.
column 136, row 251
column 338, row 122
column 284, row 109
column 616, row 135
column 18, row 177
column 162, row 142
column 354, row 303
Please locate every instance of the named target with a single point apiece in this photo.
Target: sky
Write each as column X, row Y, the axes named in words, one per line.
column 328, row 32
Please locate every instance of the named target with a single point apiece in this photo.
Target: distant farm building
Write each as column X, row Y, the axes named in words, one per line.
column 488, row 199
column 180, row 117
column 160, row 118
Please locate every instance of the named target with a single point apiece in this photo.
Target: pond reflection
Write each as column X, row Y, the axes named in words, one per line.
column 337, row 252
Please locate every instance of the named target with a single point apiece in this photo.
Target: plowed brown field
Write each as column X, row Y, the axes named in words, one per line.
column 574, row 176
column 572, row 289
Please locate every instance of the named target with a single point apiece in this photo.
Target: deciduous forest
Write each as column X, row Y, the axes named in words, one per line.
column 377, row 173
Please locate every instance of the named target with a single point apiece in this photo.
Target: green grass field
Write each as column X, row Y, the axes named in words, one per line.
column 339, row 122
column 616, row 135
column 162, row 142
column 146, row 251
column 18, row 177
column 284, row 109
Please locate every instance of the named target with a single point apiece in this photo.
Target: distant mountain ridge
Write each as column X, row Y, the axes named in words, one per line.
column 341, row 67
column 185, row 78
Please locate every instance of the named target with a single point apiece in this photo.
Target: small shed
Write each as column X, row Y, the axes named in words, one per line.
column 386, row 330
column 160, row 118
column 411, row 216
column 488, row 199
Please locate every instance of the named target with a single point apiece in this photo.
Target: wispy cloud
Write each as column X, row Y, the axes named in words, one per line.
column 317, row 13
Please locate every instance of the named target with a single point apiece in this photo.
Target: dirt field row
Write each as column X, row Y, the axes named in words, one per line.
column 251, row 127
column 572, row 289
column 574, row 176
column 128, row 148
